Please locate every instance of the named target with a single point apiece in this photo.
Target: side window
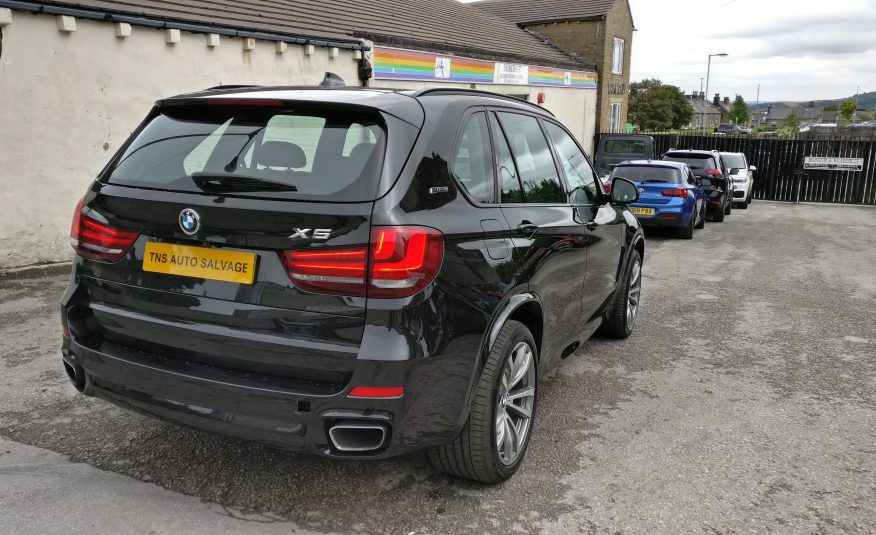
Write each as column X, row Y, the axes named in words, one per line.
column 579, row 174
column 535, row 163
column 473, row 164
column 509, row 182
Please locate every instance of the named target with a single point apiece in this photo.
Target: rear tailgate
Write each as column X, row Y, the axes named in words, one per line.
column 221, row 295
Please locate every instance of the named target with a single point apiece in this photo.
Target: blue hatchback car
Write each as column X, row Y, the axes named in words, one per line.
column 669, row 194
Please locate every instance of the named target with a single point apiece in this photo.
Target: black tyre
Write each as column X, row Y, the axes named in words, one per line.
column 718, row 214
column 728, row 208
column 622, row 315
column 687, row 232
column 702, row 221
column 493, row 442
column 744, row 205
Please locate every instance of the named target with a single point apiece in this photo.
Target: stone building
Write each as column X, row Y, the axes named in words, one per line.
column 599, row 30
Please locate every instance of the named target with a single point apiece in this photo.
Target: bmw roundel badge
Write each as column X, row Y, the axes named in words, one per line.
column 189, row 221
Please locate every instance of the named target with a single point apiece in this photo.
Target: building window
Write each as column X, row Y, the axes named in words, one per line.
column 614, row 119
column 617, row 57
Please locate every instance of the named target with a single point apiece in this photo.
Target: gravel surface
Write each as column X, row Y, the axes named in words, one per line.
column 744, row 402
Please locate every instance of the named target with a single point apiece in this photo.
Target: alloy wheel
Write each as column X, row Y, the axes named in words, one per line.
column 634, row 293
column 515, row 401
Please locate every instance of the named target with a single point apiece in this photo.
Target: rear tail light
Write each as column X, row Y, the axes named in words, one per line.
column 329, row 270
column 98, row 241
column 398, row 262
column 674, row 192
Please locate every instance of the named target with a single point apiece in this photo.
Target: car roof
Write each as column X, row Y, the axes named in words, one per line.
column 400, row 103
column 691, row 151
column 652, row 163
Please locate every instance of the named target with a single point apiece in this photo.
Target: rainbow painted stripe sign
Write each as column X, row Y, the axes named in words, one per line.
column 399, row 64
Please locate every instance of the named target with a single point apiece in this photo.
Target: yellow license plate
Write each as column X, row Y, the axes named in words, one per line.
column 200, row 262
column 642, row 211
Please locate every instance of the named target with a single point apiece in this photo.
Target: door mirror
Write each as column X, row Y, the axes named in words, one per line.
column 735, row 170
column 752, row 168
column 623, row 191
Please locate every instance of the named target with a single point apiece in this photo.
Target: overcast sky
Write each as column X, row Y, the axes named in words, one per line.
column 795, row 49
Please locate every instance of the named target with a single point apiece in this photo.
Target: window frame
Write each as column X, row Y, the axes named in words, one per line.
column 617, row 63
column 564, row 179
column 614, row 129
column 454, row 152
column 560, row 175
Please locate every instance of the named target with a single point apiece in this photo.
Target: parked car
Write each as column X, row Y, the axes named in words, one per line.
column 355, row 273
column 709, row 167
column 669, row 195
column 615, row 148
column 863, row 124
column 816, row 126
column 742, row 175
column 729, row 129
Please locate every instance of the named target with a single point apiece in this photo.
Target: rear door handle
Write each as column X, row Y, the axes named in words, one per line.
column 527, row 228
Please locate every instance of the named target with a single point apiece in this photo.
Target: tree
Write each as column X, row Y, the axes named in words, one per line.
column 654, row 106
column 831, row 107
column 847, row 109
column 739, row 111
column 682, row 111
column 790, row 127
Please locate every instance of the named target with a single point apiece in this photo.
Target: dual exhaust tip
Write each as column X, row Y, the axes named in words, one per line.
column 357, row 436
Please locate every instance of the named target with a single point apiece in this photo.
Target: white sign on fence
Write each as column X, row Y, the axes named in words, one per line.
column 833, row 164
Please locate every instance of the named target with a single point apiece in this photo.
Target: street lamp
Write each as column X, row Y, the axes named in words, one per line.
column 708, row 71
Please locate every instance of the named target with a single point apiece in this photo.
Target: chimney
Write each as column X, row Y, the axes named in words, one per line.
column 702, row 95
column 717, row 99
column 726, row 101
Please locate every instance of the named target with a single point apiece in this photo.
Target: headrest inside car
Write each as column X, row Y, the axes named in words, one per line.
column 280, row 154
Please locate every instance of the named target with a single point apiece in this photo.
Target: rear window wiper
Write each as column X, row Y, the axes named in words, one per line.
column 234, row 181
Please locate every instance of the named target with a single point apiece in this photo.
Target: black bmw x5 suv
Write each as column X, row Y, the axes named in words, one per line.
column 354, row 273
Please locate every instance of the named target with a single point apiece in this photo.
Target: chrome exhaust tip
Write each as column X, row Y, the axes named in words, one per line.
column 358, row 436
column 80, row 380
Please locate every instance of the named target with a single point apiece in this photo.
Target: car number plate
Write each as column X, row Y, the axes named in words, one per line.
column 200, row 262
column 642, row 211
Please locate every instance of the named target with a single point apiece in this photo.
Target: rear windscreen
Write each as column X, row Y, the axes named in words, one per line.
column 624, row 146
column 642, row 173
column 320, row 155
column 697, row 164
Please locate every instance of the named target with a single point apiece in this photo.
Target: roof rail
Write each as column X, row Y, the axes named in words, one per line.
column 451, row 90
column 230, row 86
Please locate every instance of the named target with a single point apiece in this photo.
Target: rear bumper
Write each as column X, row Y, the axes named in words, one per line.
column 191, row 394
column 266, row 403
column 673, row 214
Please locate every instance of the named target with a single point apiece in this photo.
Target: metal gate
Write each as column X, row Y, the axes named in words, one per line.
column 780, row 175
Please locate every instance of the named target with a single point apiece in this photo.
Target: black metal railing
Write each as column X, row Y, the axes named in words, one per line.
column 780, row 175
